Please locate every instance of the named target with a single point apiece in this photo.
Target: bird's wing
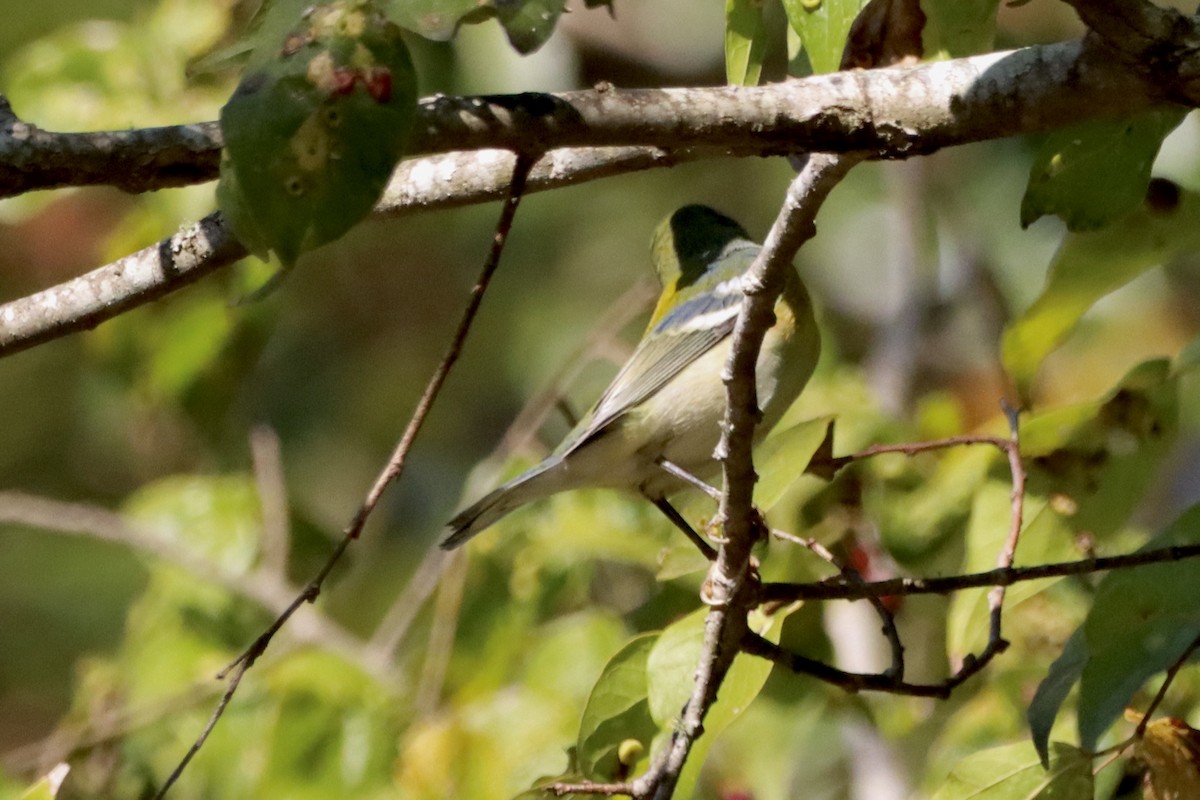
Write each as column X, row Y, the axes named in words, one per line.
column 684, row 334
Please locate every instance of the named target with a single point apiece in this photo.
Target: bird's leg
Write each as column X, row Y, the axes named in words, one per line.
column 671, row 468
column 677, row 519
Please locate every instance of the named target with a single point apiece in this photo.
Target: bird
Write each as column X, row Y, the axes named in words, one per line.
column 658, row 422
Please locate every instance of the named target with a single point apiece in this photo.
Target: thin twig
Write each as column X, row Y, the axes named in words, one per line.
column 272, row 497
column 393, row 469
column 398, row 619
column 838, row 589
column 731, row 589
column 234, row 680
column 591, row 787
column 853, row 577
column 446, row 609
column 1172, row 671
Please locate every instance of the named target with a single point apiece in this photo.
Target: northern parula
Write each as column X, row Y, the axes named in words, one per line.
column 667, row 401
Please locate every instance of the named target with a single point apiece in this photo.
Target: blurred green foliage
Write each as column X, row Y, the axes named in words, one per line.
column 563, row 643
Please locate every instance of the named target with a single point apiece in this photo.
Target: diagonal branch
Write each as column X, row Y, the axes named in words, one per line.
column 388, row 475
column 732, row 591
column 447, row 181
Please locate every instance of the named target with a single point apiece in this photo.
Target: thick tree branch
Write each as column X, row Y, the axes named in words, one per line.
column 887, row 113
column 446, row 181
column 892, row 113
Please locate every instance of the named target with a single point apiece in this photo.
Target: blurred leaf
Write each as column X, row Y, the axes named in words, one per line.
column 1053, row 690
column 1170, row 749
column 1089, row 266
column 436, row 19
column 260, row 42
column 1095, row 460
column 528, row 23
column 783, row 458
column 823, row 26
column 332, row 733
column 617, row 711
column 956, row 28
column 47, row 788
column 745, row 41
column 886, row 32
column 1045, row 538
column 215, row 517
column 1140, row 623
column 1092, row 174
column 1013, row 772
column 671, row 667
column 312, row 135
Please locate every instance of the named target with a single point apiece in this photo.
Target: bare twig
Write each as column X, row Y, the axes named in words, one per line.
column 399, row 618
column 234, row 680
column 852, row 576
column 391, row 471
column 838, row 589
column 272, row 496
column 265, row 588
column 447, row 181
column 732, row 591
column 441, row 634
column 1172, row 671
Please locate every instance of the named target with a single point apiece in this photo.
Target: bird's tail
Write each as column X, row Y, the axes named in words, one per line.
column 498, row 503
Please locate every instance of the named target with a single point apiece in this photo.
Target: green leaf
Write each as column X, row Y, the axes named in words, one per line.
column 1053, row 691
column 312, row 136
column 1094, row 173
column 1013, row 772
column 47, row 788
column 1046, row 537
column 529, row 24
column 955, row 28
column 434, row 19
column 823, row 26
column 1089, row 266
column 670, row 670
column 783, row 457
column 617, row 711
column 1098, row 458
column 1142, row 620
column 745, row 41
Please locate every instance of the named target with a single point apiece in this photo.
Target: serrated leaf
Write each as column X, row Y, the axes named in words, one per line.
column 955, row 28
column 823, row 26
column 1140, row 623
column 1094, row 173
column 311, row 137
column 670, row 670
column 1014, row 772
column 617, row 711
column 745, row 41
column 1089, row 266
column 1053, row 691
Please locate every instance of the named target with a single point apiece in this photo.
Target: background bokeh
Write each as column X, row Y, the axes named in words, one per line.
column 916, row 269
